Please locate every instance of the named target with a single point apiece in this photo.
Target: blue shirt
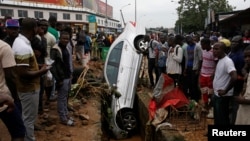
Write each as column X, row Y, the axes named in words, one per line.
column 190, row 52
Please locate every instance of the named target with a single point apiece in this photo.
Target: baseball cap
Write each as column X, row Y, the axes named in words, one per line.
column 214, row 38
column 226, row 42
column 12, row 23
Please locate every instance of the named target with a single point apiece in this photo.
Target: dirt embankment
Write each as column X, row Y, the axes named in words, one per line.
column 85, row 108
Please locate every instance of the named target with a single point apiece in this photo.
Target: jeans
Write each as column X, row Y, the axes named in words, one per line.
column 30, row 101
column 221, row 110
column 152, row 67
column 14, row 122
column 62, row 99
column 191, row 85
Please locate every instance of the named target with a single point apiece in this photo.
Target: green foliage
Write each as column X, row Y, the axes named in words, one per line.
column 192, row 13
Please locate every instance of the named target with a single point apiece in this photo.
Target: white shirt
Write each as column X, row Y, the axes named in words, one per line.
column 222, row 76
column 174, row 60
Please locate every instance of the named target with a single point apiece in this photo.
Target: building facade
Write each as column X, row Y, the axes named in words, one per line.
column 87, row 14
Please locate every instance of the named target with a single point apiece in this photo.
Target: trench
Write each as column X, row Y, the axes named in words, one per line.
column 135, row 136
column 144, row 132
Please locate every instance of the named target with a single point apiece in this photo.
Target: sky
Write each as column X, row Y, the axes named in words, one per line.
column 155, row 13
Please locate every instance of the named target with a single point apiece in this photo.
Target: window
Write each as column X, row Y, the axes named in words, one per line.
column 53, row 14
column 78, row 16
column 66, row 16
column 38, row 14
column 98, row 21
column 22, row 13
column 87, row 17
column 114, row 63
column 5, row 12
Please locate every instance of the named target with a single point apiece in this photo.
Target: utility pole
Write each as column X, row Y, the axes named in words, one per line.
column 106, row 17
column 122, row 18
column 122, row 14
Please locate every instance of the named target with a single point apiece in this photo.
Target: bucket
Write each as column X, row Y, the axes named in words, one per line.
column 104, row 53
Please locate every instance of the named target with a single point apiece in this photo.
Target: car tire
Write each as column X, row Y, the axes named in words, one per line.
column 140, row 45
column 127, row 121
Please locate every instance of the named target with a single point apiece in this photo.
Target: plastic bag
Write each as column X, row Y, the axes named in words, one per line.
column 48, row 76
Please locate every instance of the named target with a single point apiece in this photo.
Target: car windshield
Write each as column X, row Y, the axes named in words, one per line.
column 114, row 63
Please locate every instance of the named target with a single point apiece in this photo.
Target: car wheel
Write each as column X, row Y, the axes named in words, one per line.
column 128, row 121
column 140, row 45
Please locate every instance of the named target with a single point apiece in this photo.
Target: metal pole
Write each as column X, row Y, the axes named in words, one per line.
column 106, row 17
column 122, row 18
column 122, row 13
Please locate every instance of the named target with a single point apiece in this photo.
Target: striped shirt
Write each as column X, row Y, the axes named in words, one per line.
column 25, row 56
column 208, row 63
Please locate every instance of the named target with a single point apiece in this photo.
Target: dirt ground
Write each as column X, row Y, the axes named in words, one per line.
column 87, row 114
column 52, row 130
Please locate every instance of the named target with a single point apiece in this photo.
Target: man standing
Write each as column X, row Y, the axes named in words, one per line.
column 52, row 30
column 62, row 70
column 223, row 82
column 175, row 56
column 39, row 46
column 242, row 117
column 50, row 42
column 163, row 53
column 11, row 117
column 52, row 27
column 12, row 30
column 193, row 60
column 152, row 60
column 206, row 74
column 237, row 56
column 28, row 75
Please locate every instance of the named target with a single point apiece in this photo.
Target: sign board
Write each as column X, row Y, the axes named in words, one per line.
column 92, row 18
column 74, row 3
column 99, row 6
column 92, row 28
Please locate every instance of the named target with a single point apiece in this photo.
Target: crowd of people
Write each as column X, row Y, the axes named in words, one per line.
column 209, row 68
column 37, row 59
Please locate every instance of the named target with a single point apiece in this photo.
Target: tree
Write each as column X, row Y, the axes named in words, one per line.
column 192, row 13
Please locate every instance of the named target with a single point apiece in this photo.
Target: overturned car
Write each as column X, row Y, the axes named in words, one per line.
column 121, row 72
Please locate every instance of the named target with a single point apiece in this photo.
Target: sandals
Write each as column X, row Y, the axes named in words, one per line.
column 69, row 122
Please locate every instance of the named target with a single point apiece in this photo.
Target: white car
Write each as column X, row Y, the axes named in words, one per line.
column 121, row 72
